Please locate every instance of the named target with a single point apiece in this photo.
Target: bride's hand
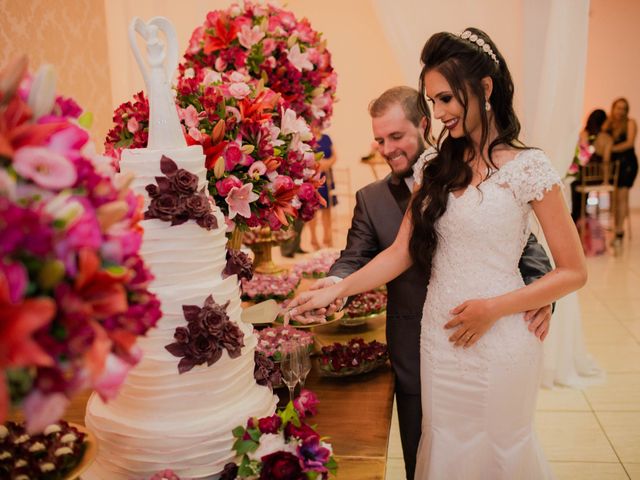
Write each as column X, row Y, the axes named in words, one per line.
column 471, row 320
column 312, row 300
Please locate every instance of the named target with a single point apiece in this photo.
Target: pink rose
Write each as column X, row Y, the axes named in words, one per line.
column 239, row 90
column 306, row 192
column 268, row 46
column 225, row 185
column 306, row 403
column 232, row 156
column 133, row 125
column 220, row 65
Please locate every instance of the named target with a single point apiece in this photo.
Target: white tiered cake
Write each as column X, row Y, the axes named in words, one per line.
column 162, row 418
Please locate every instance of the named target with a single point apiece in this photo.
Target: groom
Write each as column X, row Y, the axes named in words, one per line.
column 398, row 127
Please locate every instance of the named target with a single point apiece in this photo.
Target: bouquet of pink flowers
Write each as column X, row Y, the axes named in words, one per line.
column 268, row 43
column 283, row 446
column 73, row 288
column 261, row 170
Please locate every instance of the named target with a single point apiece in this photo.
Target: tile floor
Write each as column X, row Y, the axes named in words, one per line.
column 593, row 434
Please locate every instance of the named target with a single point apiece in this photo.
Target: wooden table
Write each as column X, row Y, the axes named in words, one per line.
column 355, row 412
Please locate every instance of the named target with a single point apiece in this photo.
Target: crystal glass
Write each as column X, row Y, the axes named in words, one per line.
column 305, row 363
column 290, row 367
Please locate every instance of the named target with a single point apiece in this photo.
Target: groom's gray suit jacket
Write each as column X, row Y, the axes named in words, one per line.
column 377, row 216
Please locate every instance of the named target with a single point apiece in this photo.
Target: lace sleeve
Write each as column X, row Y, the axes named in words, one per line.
column 418, row 167
column 531, row 176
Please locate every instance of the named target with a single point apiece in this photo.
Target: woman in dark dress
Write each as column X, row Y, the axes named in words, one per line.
column 325, row 145
column 592, row 138
column 623, row 130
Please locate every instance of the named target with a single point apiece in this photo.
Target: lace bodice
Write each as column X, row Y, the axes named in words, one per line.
column 481, row 238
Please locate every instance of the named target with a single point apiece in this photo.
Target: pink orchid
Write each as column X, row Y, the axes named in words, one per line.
column 44, row 167
column 42, row 410
column 298, row 59
column 248, row 36
column 239, row 200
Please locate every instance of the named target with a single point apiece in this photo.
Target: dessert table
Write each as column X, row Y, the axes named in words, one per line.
column 354, row 412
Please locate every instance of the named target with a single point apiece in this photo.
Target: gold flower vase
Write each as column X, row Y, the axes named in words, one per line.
column 235, row 240
column 261, row 248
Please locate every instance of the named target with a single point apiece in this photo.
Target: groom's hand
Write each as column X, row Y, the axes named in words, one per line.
column 539, row 321
column 335, row 306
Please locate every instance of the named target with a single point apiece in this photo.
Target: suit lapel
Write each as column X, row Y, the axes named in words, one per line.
column 400, row 192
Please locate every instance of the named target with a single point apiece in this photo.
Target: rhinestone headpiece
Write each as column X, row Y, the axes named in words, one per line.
column 486, row 48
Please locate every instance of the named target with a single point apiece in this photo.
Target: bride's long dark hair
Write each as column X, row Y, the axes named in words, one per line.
column 463, row 63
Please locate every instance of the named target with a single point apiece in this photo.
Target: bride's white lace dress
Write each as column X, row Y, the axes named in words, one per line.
column 478, row 403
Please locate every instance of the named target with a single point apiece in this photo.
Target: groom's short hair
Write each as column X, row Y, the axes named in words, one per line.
column 407, row 97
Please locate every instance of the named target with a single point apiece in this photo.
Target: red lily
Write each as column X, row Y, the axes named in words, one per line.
column 224, row 33
column 17, row 348
column 281, row 205
column 17, row 131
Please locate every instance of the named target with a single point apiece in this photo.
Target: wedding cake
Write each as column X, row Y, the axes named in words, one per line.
column 174, row 412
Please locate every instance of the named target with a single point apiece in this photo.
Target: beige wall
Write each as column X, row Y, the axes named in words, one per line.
column 366, row 67
column 613, row 61
column 70, row 35
column 362, row 57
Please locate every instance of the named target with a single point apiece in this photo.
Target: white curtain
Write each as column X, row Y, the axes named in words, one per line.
column 545, row 44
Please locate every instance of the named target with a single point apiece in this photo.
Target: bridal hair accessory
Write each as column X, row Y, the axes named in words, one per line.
column 484, row 45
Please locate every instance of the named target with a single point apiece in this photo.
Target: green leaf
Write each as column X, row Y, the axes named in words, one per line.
column 245, row 470
column 332, row 465
column 86, row 120
column 245, row 446
column 289, row 414
column 124, row 143
column 238, row 432
column 254, row 433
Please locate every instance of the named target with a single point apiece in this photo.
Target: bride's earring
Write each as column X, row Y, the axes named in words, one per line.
column 487, row 105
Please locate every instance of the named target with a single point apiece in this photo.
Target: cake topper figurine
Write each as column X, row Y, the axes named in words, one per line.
column 165, row 131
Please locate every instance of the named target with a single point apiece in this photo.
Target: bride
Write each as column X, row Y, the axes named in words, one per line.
column 468, row 224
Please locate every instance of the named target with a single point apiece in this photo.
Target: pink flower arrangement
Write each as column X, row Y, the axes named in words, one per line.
column 268, row 42
column 368, row 303
column 272, row 340
column 261, row 170
column 318, row 265
column 73, row 288
column 283, row 446
column 264, row 287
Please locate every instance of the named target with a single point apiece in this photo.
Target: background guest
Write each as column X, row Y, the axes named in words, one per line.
column 325, row 145
column 623, row 130
column 598, row 143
